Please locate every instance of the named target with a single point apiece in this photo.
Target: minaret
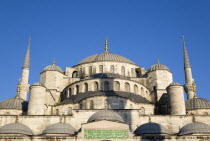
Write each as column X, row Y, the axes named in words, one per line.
column 189, row 81
column 23, row 84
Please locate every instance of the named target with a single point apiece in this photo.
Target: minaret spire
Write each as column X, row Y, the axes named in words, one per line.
column 27, row 57
column 189, row 86
column 106, row 45
column 186, row 58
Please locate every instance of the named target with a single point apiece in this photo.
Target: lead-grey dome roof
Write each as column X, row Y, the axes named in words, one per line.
column 158, row 67
column 151, row 128
column 53, row 67
column 197, row 103
column 109, row 115
column 59, row 128
column 16, row 128
column 195, row 127
column 105, row 57
column 14, row 103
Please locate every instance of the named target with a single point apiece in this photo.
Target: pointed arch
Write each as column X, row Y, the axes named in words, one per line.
column 101, row 69
column 85, row 87
column 90, row 70
column 142, row 91
column 117, row 86
column 91, row 104
column 77, row 89
column 95, row 86
column 136, row 89
column 112, row 69
column 127, row 87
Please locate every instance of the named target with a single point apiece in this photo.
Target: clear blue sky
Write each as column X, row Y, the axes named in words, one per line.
column 70, row 30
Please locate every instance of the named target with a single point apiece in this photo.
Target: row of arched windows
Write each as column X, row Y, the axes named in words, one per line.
column 81, row 71
column 106, row 87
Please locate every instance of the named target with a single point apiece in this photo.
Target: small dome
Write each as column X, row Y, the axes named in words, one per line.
column 158, row 66
column 175, row 84
column 105, row 57
column 151, row 128
column 36, row 84
column 106, row 115
column 16, row 128
column 53, row 67
column 197, row 103
column 195, row 127
column 59, row 128
column 106, row 75
column 14, row 103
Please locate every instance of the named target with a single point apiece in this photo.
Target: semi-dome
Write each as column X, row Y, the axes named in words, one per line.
column 106, row 75
column 59, row 128
column 14, row 103
column 16, row 128
column 151, row 128
column 53, row 67
column 158, row 66
column 197, row 103
column 106, row 115
column 195, row 127
column 105, row 57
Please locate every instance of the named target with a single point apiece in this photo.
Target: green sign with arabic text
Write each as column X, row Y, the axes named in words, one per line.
column 105, row 134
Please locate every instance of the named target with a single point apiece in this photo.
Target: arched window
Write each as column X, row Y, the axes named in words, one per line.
column 142, row 91
column 132, row 72
column 106, row 86
column 142, row 111
column 90, row 70
column 127, row 87
column 95, row 86
column 123, row 70
column 112, row 69
column 74, row 74
column 80, row 72
column 70, row 92
column 86, row 87
column 101, row 69
column 117, row 86
column 91, row 104
column 121, row 104
column 136, row 89
column 77, row 89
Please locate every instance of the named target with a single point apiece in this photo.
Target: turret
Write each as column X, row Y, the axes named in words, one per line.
column 176, row 99
column 36, row 104
column 159, row 77
column 23, row 83
column 189, row 81
column 52, row 78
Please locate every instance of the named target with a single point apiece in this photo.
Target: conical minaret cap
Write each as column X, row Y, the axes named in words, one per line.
column 27, row 57
column 186, row 58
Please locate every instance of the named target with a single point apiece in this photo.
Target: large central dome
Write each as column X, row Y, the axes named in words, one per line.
column 105, row 57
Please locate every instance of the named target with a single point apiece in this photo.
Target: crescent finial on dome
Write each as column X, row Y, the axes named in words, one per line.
column 106, row 45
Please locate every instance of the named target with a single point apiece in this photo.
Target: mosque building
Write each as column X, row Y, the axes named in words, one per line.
column 105, row 97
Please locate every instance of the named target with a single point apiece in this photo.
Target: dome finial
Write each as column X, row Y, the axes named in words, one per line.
column 106, row 45
column 53, row 62
column 158, row 61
